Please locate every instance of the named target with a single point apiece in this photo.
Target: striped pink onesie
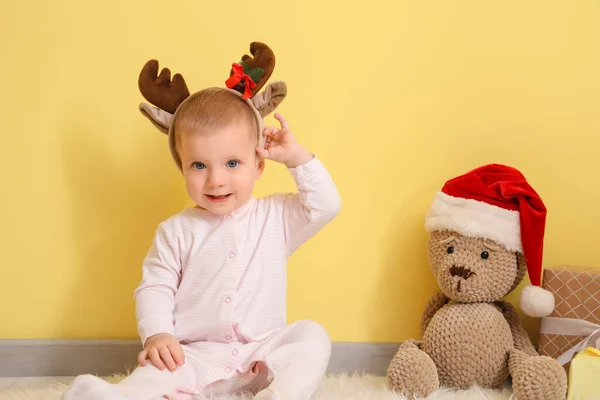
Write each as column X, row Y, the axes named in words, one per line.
column 218, row 284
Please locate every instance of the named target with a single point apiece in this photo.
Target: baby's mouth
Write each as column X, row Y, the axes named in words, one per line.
column 218, row 197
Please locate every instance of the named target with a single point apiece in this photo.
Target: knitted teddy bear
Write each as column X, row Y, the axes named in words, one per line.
column 486, row 232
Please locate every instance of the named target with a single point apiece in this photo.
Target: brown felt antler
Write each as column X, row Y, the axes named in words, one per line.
column 264, row 59
column 161, row 91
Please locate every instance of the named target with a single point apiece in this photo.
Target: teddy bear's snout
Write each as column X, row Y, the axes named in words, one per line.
column 463, row 272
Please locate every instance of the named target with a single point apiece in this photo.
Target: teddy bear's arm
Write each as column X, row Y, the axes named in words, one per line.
column 520, row 337
column 435, row 303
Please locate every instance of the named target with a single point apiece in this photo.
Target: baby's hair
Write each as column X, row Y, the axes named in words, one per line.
column 213, row 108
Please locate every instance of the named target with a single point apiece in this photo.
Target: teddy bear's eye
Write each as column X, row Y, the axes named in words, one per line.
column 450, row 250
column 485, row 255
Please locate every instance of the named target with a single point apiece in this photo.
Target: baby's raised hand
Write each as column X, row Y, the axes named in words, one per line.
column 162, row 349
column 281, row 146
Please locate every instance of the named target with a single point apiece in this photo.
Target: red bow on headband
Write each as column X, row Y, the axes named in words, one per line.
column 238, row 75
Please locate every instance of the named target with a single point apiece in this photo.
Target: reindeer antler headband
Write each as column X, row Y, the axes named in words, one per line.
column 246, row 79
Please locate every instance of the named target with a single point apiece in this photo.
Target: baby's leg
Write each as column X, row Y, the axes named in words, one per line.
column 150, row 383
column 298, row 362
column 90, row 387
column 145, row 383
column 251, row 382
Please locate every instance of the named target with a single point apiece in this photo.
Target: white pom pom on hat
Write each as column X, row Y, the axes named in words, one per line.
column 536, row 302
column 496, row 202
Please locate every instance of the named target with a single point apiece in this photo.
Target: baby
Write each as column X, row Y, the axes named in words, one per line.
column 211, row 306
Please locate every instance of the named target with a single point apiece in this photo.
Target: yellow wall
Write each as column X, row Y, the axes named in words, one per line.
column 394, row 96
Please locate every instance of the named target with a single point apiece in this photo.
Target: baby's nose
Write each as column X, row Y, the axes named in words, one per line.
column 215, row 179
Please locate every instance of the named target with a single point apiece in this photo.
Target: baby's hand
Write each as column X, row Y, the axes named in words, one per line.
column 281, row 146
column 162, row 349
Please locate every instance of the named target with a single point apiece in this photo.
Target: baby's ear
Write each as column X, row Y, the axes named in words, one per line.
column 267, row 101
column 159, row 118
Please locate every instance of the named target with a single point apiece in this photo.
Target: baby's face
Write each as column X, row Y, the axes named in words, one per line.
column 220, row 167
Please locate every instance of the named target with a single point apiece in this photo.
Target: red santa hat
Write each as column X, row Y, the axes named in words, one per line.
column 496, row 202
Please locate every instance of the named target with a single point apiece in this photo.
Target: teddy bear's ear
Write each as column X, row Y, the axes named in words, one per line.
column 522, row 270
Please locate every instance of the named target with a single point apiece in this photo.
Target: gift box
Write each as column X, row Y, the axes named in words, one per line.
column 583, row 375
column 574, row 324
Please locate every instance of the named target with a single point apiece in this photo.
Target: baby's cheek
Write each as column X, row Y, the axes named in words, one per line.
column 195, row 191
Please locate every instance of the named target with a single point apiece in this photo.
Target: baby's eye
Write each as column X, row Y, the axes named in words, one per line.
column 450, row 250
column 198, row 165
column 485, row 255
column 233, row 163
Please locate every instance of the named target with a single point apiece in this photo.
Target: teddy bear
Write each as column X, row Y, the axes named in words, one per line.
column 486, row 230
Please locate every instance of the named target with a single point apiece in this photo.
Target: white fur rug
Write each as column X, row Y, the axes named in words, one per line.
column 355, row 387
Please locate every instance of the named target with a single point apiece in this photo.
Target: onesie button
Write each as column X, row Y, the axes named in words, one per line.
column 228, row 370
column 227, row 299
column 228, row 337
column 234, row 352
column 231, row 255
